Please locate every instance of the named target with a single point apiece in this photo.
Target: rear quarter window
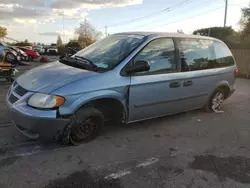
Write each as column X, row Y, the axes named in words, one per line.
column 196, row 54
column 223, row 55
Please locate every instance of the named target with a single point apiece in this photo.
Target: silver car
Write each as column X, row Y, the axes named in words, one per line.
column 125, row 77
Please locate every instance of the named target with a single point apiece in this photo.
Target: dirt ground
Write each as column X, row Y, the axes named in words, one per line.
column 188, row 150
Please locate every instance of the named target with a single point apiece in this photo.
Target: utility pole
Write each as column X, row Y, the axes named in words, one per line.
column 106, row 30
column 225, row 17
column 63, row 29
column 85, row 35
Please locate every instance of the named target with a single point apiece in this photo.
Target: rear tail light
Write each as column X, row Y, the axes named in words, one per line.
column 236, row 72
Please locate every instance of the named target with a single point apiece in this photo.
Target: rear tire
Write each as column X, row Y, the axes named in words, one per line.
column 84, row 126
column 215, row 103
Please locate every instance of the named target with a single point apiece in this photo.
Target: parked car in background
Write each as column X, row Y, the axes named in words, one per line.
column 12, row 55
column 32, row 55
column 20, row 53
column 125, row 77
column 50, row 50
column 38, row 49
column 28, row 47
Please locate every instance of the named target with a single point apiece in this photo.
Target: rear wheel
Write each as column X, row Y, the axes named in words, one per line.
column 85, row 125
column 215, row 103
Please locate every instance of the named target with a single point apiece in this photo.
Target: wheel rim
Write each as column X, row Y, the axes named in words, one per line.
column 84, row 130
column 10, row 57
column 217, row 102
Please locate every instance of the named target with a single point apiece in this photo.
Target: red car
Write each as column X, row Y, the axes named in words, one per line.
column 31, row 53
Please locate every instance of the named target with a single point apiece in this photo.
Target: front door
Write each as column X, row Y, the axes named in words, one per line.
column 155, row 92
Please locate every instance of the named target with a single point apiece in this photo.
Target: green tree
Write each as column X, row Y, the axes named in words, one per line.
column 87, row 34
column 3, row 32
column 73, row 44
column 59, row 41
column 24, row 43
column 216, row 32
column 245, row 21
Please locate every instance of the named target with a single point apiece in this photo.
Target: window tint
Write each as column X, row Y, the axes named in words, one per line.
column 196, row 54
column 223, row 55
column 160, row 54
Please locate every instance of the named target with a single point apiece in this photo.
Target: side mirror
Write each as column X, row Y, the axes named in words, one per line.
column 139, row 66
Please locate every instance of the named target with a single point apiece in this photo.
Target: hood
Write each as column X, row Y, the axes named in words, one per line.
column 49, row 77
column 22, row 52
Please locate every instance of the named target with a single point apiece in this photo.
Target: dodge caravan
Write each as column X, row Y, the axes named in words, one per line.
column 125, row 77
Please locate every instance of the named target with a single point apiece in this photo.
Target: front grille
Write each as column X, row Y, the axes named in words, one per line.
column 14, row 83
column 12, row 99
column 16, row 93
column 20, row 91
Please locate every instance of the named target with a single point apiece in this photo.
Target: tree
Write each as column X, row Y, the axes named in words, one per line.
column 216, row 32
column 59, row 41
column 245, row 22
column 87, row 34
column 24, row 43
column 3, row 32
column 73, row 44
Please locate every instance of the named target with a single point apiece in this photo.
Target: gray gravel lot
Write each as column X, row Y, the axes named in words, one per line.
column 189, row 150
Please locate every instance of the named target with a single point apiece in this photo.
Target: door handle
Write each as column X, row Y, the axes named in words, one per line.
column 188, row 83
column 174, row 84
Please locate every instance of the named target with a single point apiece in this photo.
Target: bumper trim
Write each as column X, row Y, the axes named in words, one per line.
column 26, row 132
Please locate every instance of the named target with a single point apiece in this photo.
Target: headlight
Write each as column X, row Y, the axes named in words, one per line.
column 45, row 101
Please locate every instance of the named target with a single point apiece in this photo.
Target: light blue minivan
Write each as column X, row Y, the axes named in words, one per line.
column 125, row 77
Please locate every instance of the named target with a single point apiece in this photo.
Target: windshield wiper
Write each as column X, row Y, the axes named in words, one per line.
column 77, row 63
column 95, row 67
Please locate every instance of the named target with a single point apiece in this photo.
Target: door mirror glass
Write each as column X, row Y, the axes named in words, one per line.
column 139, row 66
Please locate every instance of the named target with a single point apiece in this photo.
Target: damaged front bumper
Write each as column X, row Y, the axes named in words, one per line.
column 35, row 123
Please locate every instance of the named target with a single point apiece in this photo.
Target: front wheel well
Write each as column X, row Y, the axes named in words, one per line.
column 112, row 109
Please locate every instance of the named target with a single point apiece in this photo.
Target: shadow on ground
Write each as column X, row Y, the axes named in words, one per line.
column 84, row 179
column 235, row 168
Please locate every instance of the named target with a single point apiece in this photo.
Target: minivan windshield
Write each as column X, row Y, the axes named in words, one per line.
column 110, row 51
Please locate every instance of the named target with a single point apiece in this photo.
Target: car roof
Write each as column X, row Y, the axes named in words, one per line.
column 166, row 34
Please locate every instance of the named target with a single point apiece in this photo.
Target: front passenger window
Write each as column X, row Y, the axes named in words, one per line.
column 160, row 54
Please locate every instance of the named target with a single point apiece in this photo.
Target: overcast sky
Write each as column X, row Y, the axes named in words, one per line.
column 42, row 20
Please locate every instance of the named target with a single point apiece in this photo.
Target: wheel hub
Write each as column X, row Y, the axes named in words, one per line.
column 83, row 130
column 217, row 102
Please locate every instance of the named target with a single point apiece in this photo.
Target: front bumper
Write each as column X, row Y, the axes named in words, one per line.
column 25, row 58
column 35, row 123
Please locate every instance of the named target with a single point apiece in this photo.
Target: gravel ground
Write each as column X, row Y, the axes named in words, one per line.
column 189, row 150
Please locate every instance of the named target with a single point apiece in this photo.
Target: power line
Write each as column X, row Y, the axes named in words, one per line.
column 158, row 20
column 168, row 9
column 192, row 16
column 197, row 15
column 187, row 17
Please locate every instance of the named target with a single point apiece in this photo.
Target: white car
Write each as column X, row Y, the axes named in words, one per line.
column 52, row 50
